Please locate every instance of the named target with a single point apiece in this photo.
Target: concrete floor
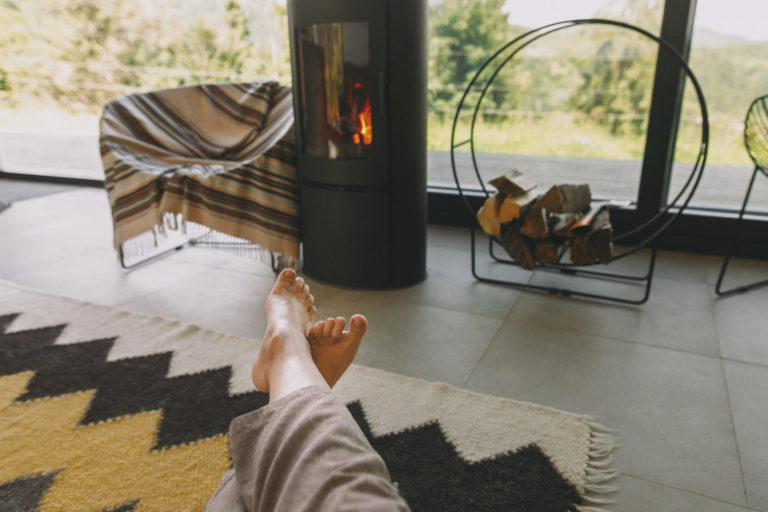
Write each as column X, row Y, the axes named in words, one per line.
column 683, row 379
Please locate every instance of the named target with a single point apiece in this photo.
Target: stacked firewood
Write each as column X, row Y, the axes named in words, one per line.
column 533, row 228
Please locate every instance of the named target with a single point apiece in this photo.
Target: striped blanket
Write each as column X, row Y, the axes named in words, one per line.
column 207, row 159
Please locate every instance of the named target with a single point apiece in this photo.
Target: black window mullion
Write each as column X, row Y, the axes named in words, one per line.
column 666, row 103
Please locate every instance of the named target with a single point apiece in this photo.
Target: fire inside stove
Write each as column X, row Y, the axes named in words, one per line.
column 364, row 132
column 336, row 119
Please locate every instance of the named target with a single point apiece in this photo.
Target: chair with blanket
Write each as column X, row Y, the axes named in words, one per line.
column 206, row 165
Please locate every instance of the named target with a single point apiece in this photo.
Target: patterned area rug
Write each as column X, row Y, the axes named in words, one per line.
column 102, row 409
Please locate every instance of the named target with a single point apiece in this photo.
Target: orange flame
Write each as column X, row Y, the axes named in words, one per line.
column 365, row 125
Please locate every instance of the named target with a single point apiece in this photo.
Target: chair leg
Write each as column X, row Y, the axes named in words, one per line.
column 143, row 262
column 739, row 289
column 275, row 258
column 278, row 264
column 190, row 242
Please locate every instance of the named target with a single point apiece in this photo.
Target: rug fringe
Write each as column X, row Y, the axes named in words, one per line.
column 174, row 230
column 600, row 428
column 598, row 469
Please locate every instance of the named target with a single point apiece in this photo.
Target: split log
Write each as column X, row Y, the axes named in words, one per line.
column 600, row 239
column 597, row 245
column 531, row 228
column 512, row 208
column 566, row 199
column 535, row 224
column 560, row 223
column 584, row 225
column 514, row 184
column 580, row 252
column 517, row 247
column 545, row 252
column 488, row 216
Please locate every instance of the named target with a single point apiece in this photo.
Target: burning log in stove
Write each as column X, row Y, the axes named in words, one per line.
column 533, row 227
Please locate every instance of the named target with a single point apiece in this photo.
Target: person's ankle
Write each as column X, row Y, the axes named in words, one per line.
column 281, row 334
column 284, row 341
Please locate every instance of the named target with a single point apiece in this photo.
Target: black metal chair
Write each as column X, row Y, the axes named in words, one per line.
column 756, row 142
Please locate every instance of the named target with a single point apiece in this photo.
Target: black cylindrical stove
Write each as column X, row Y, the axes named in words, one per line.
column 360, row 91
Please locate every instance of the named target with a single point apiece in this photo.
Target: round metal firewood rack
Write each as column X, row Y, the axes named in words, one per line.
column 647, row 232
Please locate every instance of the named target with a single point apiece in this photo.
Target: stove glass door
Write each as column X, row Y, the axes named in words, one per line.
column 335, row 90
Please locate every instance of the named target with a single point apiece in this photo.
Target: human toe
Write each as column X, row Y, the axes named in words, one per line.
column 330, row 323
column 284, row 280
column 298, row 286
column 338, row 328
column 316, row 331
column 358, row 325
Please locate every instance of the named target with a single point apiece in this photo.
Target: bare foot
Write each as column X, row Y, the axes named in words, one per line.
column 290, row 312
column 333, row 349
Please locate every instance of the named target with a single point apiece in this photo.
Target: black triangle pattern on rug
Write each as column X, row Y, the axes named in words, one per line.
column 24, row 494
column 431, row 475
column 194, row 406
column 127, row 507
column 429, row 472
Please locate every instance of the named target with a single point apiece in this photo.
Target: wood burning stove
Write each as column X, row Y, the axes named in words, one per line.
column 359, row 81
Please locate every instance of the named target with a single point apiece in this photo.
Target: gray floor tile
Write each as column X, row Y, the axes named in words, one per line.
column 18, row 190
column 418, row 341
column 748, row 389
column 686, row 266
column 44, row 209
column 36, row 234
column 678, row 314
column 223, row 301
column 448, row 237
column 450, row 285
column 96, row 276
column 26, row 252
column 670, row 408
column 32, row 249
column 637, row 495
column 742, row 327
column 740, row 272
column 247, row 265
column 208, row 256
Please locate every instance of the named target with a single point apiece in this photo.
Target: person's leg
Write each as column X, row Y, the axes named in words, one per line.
column 304, row 450
column 286, row 362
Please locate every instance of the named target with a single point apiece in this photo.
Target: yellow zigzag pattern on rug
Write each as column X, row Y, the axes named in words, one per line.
column 106, row 464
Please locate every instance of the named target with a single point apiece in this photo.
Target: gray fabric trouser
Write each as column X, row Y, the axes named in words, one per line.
column 303, row 452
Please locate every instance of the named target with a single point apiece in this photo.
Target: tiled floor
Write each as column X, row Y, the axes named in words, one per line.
column 684, row 378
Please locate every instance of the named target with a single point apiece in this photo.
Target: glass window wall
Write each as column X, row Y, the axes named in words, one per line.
column 60, row 62
column 729, row 55
column 572, row 107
